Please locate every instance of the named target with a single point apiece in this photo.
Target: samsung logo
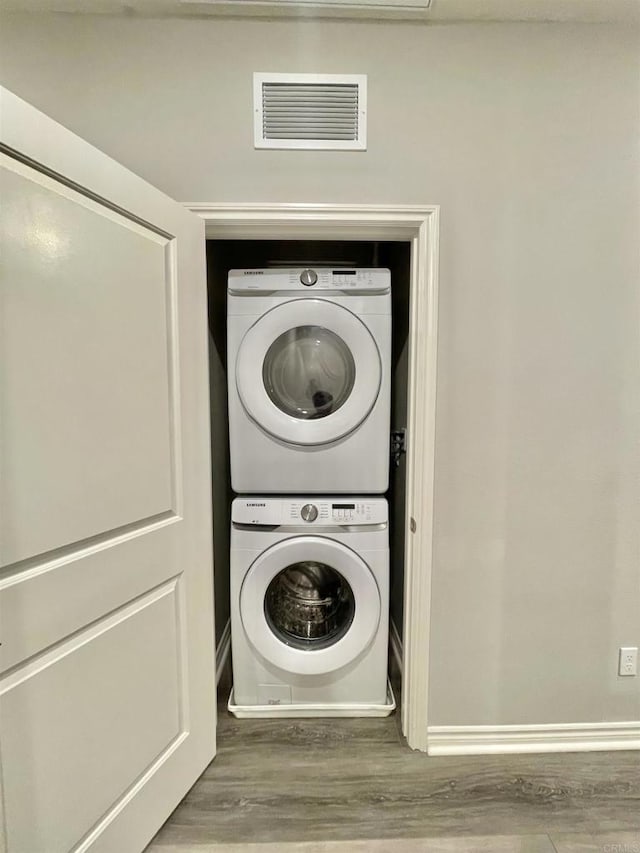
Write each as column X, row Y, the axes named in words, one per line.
column 255, row 504
column 252, row 272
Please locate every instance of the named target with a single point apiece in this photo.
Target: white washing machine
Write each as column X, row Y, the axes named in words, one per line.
column 309, row 380
column 309, row 606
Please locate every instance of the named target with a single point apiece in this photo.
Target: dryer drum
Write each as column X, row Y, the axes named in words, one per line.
column 309, row 604
column 308, row 372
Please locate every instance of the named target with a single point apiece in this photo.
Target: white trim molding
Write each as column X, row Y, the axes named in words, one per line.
column 551, row 737
column 421, row 423
column 223, row 649
column 419, row 226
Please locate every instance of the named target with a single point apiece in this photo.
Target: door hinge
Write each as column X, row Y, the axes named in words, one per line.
column 398, row 444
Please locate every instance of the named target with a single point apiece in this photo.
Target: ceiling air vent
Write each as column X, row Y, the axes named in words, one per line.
column 310, row 111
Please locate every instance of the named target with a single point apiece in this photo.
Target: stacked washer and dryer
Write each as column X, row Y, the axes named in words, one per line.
column 309, row 355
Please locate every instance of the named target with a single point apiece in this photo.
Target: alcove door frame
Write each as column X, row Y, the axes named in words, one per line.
column 418, row 225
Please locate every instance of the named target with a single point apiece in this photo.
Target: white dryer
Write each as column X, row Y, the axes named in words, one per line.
column 309, row 380
column 309, row 606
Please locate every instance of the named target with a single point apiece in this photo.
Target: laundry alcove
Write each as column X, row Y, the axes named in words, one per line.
column 417, row 226
column 223, row 255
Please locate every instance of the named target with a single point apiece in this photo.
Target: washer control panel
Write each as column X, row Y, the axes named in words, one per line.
column 350, row 511
column 310, row 511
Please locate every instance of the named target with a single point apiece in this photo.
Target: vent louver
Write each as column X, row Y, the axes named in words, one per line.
column 310, row 111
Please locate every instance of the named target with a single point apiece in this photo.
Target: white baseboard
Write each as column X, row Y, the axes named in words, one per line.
column 223, row 648
column 565, row 737
column 396, row 644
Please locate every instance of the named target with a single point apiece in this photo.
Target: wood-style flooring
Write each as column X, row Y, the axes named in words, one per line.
column 333, row 786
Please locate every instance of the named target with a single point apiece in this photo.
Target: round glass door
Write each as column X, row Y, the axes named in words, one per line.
column 308, row 372
column 309, row 605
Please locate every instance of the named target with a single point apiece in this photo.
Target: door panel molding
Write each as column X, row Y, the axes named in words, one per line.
column 49, row 657
column 86, row 364
column 117, row 718
column 83, row 547
column 31, row 625
column 418, row 225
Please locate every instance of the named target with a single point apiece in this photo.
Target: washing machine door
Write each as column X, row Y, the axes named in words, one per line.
column 310, row 605
column 308, row 372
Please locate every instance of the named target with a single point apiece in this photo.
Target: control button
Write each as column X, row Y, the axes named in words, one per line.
column 309, row 512
column 308, row 277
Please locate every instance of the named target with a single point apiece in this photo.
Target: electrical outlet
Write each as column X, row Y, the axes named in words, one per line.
column 628, row 661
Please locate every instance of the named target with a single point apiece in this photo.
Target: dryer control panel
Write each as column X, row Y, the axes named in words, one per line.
column 313, row 511
column 308, row 280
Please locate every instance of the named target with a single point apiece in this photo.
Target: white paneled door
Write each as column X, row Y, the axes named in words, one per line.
column 107, row 684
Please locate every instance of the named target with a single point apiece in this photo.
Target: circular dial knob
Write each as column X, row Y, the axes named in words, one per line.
column 309, row 512
column 308, row 277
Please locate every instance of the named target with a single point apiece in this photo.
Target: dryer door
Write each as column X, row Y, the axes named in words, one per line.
column 310, row 605
column 308, row 372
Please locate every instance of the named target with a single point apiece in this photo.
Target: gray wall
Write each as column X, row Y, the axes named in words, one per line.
column 529, row 138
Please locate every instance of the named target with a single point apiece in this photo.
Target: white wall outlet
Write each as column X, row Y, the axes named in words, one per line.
column 628, row 661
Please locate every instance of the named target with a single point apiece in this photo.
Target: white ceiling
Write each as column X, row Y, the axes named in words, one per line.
column 537, row 10
column 586, row 11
